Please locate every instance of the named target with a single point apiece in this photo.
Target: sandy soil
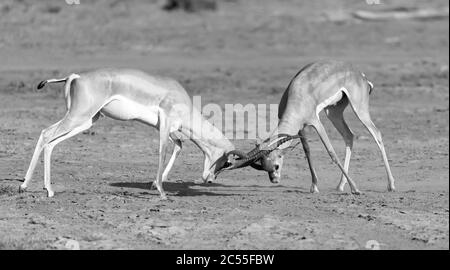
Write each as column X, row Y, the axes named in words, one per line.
column 247, row 50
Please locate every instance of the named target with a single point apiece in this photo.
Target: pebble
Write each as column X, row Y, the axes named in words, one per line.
column 72, row 245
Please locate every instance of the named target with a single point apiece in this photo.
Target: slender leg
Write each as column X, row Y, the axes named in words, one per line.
column 206, row 175
column 326, row 141
column 54, row 140
column 176, row 151
column 336, row 116
column 314, row 188
column 163, row 140
column 48, row 149
column 35, row 158
column 364, row 116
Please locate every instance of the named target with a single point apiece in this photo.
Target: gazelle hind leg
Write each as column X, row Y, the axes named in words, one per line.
column 314, row 188
column 37, row 153
column 336, row 116
column 64, row 131
column 364, row 116
column 326, row 141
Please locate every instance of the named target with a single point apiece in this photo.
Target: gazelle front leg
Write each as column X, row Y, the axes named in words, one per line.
column 176, row 151
column 314, row 188
column 206, row 175
column 163, row 141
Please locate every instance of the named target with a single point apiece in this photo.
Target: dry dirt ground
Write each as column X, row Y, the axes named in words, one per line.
column 246, row 52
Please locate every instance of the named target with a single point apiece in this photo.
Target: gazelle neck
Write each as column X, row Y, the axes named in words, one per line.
column 206, row 136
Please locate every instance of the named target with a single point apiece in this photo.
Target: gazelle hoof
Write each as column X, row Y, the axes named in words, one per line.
column 340, row 188
column 22, row 189
column 199, row 181
column 356, row 192
column 391, row 188
column 314, row 189
column 163, row 197
column 50, row 193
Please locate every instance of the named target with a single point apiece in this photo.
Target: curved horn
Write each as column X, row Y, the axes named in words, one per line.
column 256, row 153
column 238, row 153
column 233, row 165
column 270, row 145
column 243, row 161
column 248, row 159
column 254, row 150
column 284, row 138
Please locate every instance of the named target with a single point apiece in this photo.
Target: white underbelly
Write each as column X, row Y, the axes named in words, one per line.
column 121, row 108
column 330, row 101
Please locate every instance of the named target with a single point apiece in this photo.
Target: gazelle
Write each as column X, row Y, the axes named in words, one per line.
column 132, row 95
column 329, row 86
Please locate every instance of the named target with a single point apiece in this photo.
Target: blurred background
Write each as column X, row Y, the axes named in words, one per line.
column 51, row 29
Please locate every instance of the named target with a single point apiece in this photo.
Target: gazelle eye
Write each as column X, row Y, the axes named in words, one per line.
column 276, row 167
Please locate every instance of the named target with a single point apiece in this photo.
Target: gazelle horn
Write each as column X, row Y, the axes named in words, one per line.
column 259, row 151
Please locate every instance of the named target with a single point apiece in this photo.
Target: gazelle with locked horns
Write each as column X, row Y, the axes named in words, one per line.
column 323, row 85
column 132, row 95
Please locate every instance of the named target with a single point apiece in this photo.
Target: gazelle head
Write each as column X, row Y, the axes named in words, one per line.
column 267, row 156
column 272, row 164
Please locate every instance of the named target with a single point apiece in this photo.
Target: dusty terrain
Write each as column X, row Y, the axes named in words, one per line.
column 245, row 52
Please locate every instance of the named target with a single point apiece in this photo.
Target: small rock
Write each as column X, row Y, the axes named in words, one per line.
column 339, row 210
column 72, row 245
column 366, row 217
column 66, row 243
